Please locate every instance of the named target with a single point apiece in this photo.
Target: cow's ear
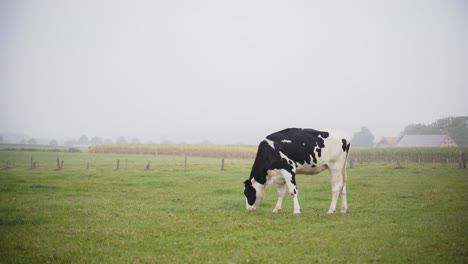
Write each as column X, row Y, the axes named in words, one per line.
column 247, row 183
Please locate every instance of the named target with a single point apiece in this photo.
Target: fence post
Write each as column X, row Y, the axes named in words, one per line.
column 185, row 163
column 222, row 164
column 8, row 164
column 148, row 166
column 118, row 164
column 462, row 161
column 59, row 164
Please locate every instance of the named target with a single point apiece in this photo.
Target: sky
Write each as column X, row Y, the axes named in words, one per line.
column 229, row 71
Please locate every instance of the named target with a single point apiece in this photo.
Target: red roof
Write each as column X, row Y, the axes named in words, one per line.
column 389, row 140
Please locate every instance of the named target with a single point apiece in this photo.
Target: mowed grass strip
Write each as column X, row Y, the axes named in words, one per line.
column 172, row 215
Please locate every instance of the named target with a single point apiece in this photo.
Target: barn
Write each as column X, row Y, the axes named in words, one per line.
column 426, row 141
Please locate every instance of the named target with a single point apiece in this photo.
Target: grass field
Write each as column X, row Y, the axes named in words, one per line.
column 417, row 214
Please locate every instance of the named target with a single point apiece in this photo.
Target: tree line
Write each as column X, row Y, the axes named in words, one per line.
column 84, row 141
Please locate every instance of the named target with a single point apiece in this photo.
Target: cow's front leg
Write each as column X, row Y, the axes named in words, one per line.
column 281, row 191
column 291, row 183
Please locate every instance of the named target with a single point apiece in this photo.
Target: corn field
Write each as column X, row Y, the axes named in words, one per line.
column 213, row 151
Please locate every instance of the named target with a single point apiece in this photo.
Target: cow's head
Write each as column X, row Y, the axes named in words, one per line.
column 253, row 194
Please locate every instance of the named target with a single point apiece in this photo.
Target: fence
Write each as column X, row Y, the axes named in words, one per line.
column 410, row 155
column 45, row 161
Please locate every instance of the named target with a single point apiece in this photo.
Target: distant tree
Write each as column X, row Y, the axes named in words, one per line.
column 363, row 139
column 135, row 141
column 23, row 142
column 421, row 129
column 32, row 141
column 95, row 141
column 70, row 142
column 121, row 140
column 53, row 142
column 83, row 140
column 1, row 139
column 206, row 142
column 108, row 141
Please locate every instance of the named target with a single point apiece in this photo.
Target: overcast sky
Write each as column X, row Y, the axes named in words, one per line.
column 229, row 71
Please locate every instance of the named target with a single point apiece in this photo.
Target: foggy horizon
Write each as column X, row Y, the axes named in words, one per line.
column 228, row 72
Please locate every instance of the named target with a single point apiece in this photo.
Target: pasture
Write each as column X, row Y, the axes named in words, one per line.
column 97, row 214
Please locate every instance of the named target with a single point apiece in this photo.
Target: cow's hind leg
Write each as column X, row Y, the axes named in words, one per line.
column 337, row 187
column 344, row 202
column 281, row 192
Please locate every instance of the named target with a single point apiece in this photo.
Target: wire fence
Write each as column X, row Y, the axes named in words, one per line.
column 410, row 155
column 151, row 157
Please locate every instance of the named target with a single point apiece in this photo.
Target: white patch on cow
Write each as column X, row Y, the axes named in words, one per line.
column 312, row 168
column 286, row 141
column 290, row 161
column 271, row 143
column 275, row 177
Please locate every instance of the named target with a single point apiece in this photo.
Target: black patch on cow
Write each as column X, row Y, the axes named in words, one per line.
column 345, row 145
column 299, row 145
column 319, row 152
column 293, row 179
column 250, row 192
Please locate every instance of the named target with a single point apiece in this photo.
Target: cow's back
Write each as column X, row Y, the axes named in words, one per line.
column 311, row 150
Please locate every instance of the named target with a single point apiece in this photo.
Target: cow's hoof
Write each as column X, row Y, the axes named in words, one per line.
column 297, row 212
column 344, row 211
column 330, row 212
column 276, row 210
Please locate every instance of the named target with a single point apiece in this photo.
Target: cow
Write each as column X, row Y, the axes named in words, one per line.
column 283, row 154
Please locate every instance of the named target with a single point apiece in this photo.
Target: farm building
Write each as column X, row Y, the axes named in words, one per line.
column 388, row 142
column 426, row 141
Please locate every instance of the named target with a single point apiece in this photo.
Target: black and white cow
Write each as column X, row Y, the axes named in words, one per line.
column 307, row 151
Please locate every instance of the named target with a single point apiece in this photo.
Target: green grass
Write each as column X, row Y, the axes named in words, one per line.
column 169, row 215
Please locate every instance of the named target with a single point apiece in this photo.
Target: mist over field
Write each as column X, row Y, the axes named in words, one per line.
column 228, row 72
